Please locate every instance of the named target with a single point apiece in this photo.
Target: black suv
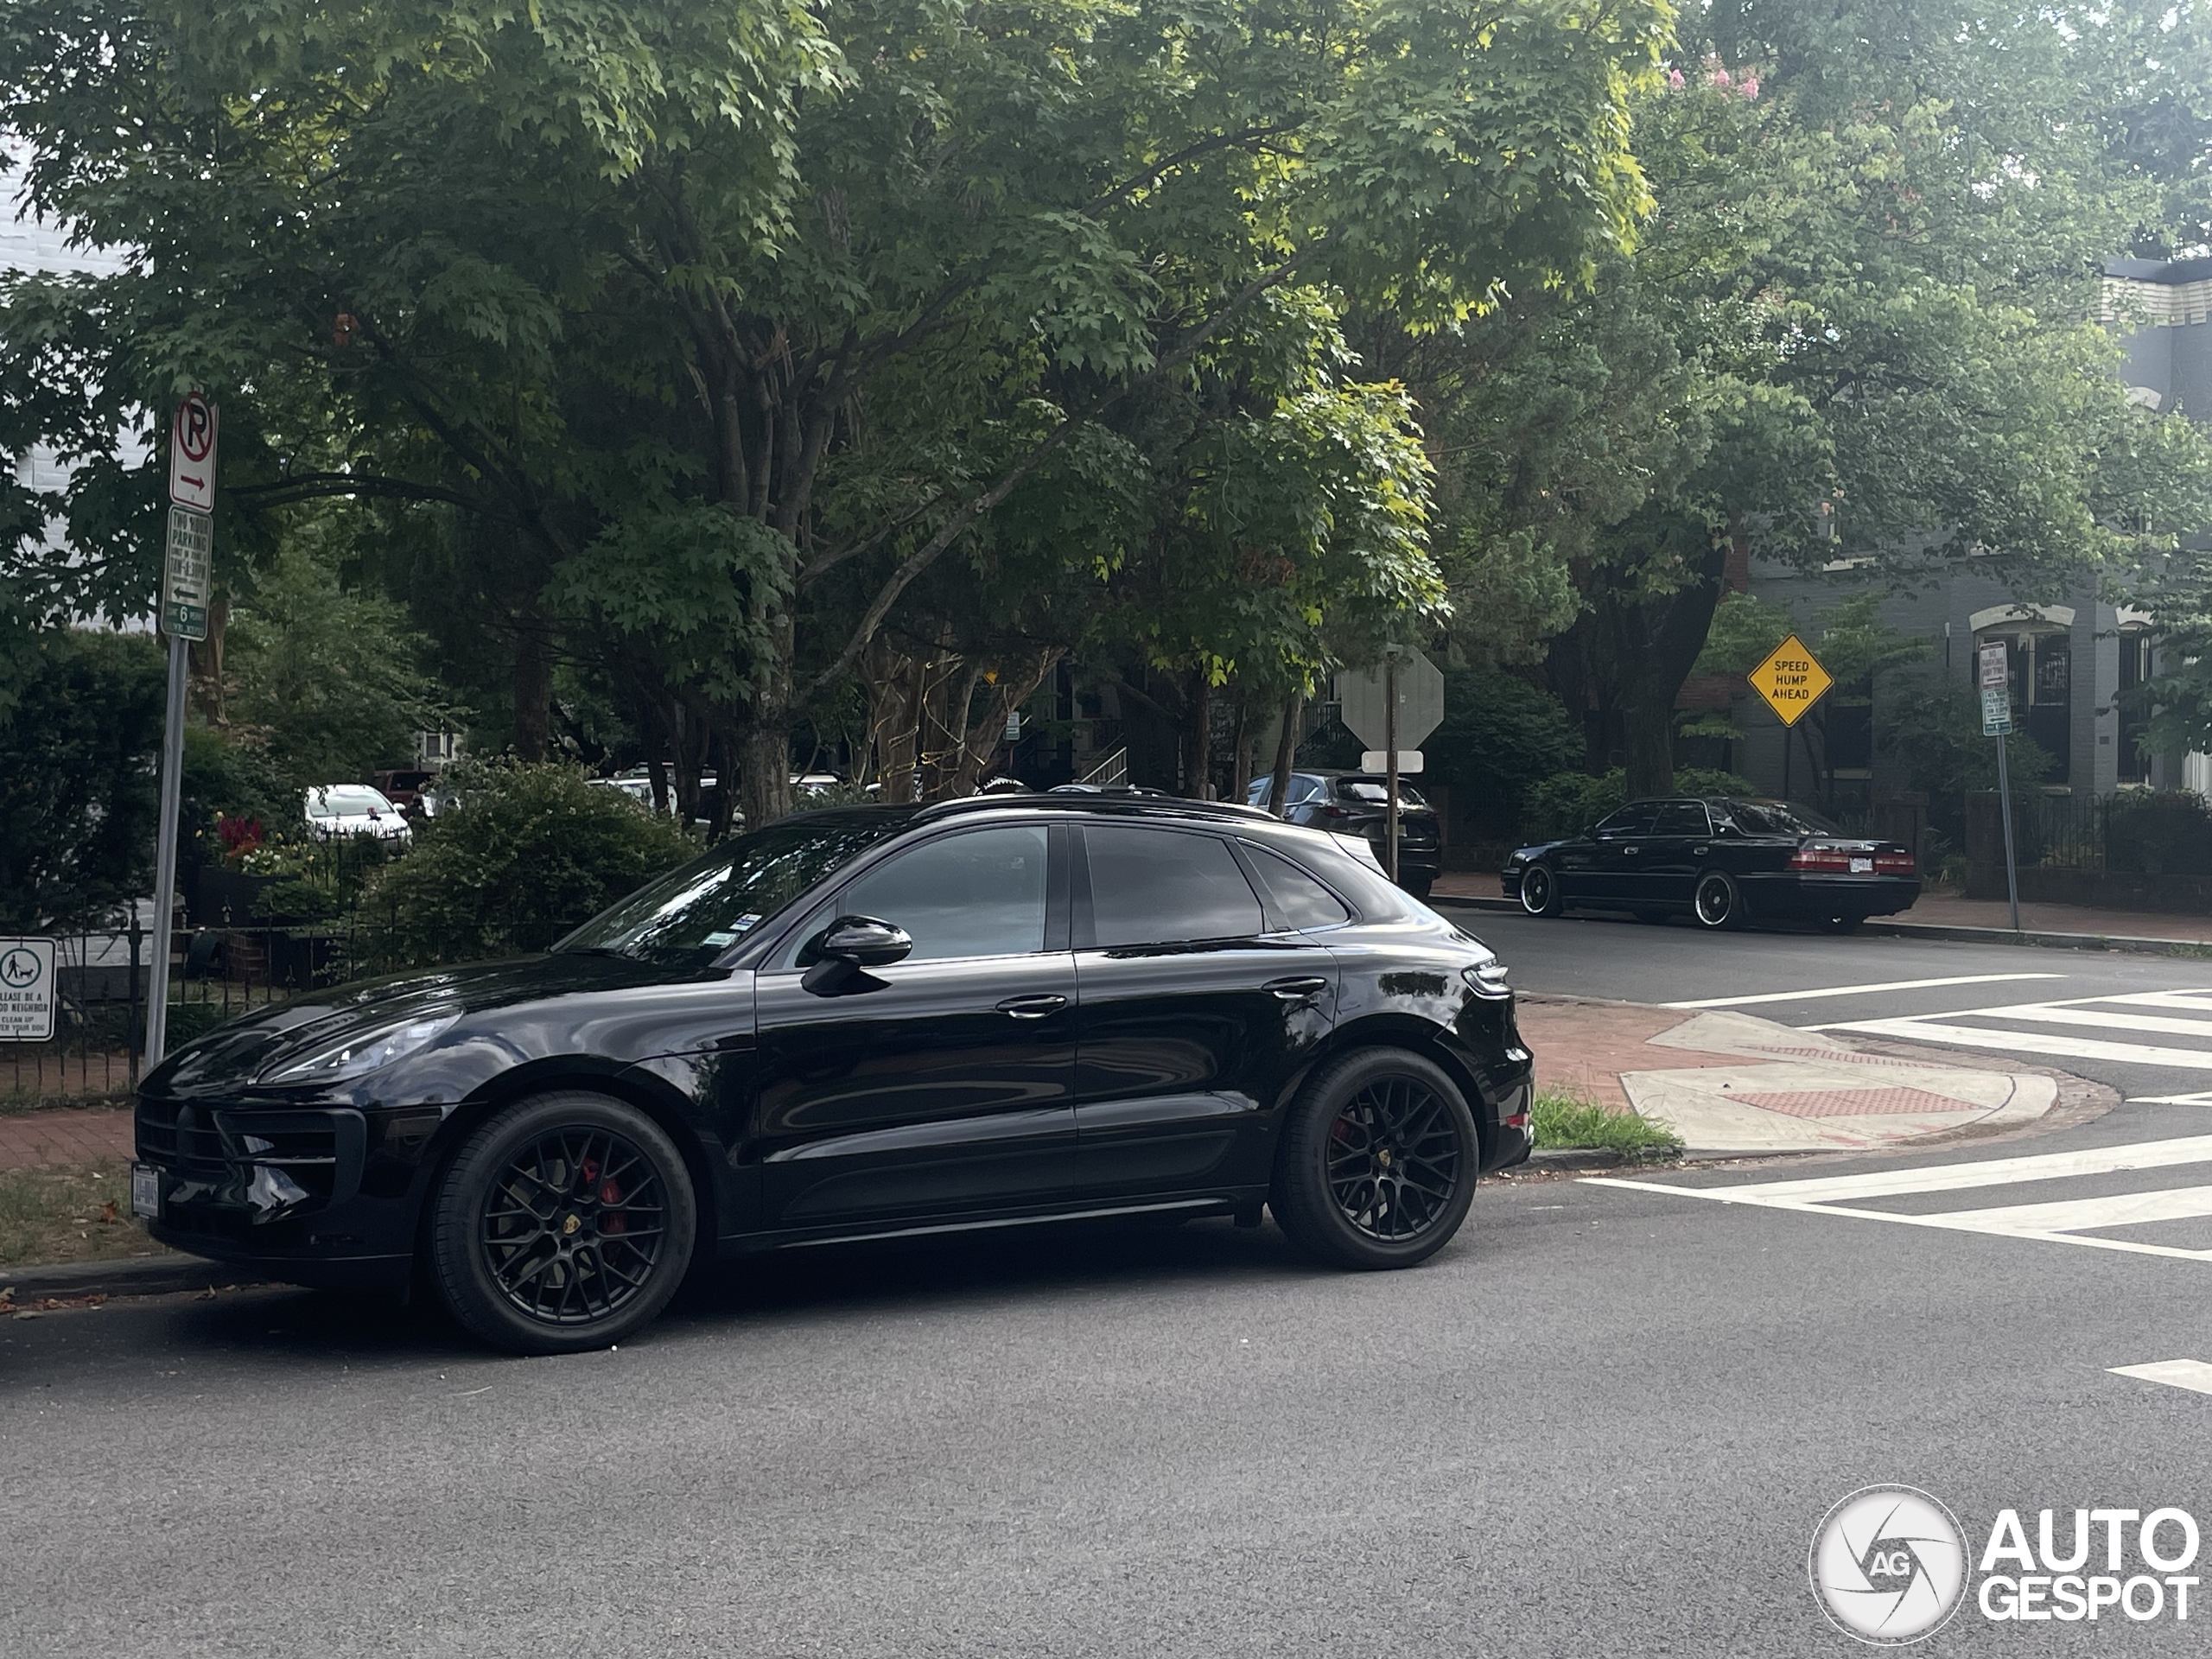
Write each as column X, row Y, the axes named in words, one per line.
column 1356, row 804
column 868, row 1022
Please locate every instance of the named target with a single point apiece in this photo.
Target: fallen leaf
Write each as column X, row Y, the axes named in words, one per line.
column 109, row 1212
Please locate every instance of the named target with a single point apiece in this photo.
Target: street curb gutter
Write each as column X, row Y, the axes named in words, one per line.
column 127, row 1276
column 2129, row 944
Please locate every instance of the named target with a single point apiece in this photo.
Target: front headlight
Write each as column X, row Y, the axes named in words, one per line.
column 359, row 1055
column 1487, row 979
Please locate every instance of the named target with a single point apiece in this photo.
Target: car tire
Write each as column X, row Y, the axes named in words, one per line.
column 1417, row 885
column 1344, row 1190
column 1542, row 899
column 565, row 1223
column 1718, row 902
column 1840, row 923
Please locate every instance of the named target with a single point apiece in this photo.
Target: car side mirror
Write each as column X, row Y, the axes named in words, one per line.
column 844, row 951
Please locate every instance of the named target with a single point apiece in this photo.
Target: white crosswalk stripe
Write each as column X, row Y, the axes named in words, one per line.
column 2058, row 1220
column 2060, row 1029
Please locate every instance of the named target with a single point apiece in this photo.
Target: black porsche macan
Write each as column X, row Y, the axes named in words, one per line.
column 874, row 1022
column 1722, row 862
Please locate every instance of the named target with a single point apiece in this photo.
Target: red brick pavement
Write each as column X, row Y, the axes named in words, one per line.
column 39, row 1140
column 1585, row 1047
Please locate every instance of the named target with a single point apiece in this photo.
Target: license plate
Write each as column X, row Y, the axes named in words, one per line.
column 146, row 1192
column 1862, row 867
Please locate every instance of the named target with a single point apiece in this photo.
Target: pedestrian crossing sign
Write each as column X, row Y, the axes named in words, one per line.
column 1792, row 680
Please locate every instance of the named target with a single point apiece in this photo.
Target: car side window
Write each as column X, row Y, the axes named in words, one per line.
column 1633, row 820
column 1301, row 901
column 1682, row 818
column 1166, row 887
column 980, row 893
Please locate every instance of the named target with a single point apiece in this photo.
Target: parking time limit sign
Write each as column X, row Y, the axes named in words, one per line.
column 1792, row 680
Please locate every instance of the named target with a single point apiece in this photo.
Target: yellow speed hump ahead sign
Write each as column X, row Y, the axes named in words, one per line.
column 1792, row 680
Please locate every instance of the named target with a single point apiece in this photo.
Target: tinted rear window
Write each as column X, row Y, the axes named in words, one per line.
column 1302, row 901
column 1166, row 887
column 1377, row 794
column 1774, row 818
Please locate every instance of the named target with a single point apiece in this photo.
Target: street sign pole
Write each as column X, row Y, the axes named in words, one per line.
column 1390, row 745
column 1994, row 675
column 158, row 987
column 2005, row 806
column 187, row 581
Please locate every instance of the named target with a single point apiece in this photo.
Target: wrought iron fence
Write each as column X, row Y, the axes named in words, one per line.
column 102, row 978
column 2132, row 831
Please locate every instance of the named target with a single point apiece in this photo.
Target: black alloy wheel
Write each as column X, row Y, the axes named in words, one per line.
column 566, row 1222
column 1718, row 902
column 1540, row 891
column 1378, row 1160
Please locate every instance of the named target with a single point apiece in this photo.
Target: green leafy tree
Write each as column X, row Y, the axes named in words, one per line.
column 77, row 746
column 667, row 315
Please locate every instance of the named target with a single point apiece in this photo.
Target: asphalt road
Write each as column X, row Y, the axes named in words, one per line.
column 1606, row 1419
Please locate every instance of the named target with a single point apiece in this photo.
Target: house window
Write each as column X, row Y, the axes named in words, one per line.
column 1850, row 734
column 2041, row 661
column 2134, row 718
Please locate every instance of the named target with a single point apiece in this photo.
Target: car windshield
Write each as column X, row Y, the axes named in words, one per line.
column 345, row 800
column 1778, row 818
column 1368, row 789
column 699, row 910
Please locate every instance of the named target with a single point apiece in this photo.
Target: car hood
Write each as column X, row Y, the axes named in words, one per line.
column 236, row 1054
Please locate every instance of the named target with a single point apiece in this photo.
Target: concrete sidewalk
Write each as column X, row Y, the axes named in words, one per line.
column 1732, row 1084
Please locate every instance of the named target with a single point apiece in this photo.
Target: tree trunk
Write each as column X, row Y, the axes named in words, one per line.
column 1240, row 762
column 1293, row 716
column 1649, row 649
column 533, row 691
column 766, row 754
column 1198, row 736
column 205, row 658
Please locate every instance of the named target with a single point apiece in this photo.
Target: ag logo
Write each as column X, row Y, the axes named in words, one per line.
column 18, row 968
column 1889, row 1564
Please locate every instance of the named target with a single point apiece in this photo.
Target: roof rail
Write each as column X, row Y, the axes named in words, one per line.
column 1105, row 804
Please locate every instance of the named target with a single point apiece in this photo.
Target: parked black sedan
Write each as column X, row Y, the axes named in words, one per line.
column 1722, row 862
column 864, row 1023
column 1355, row 803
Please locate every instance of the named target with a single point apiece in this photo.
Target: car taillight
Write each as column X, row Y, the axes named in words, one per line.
column 1893, row 864
column 1338, row 812
column 1826, row 861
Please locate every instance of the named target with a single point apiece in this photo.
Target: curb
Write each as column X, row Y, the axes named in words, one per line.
column 2127, row 943
column 1544, row 1160
column 126, row 1276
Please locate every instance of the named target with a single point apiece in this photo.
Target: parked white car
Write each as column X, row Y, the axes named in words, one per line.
column 339, row 809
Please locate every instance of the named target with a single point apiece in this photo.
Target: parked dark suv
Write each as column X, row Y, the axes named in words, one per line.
column 1355, row 803
column 869, row 1022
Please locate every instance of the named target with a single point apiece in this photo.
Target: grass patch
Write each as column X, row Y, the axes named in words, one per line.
column 64, row 1214
column 1563, row 1119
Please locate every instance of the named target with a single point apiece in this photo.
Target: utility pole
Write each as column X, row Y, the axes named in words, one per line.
column 1390, row 655
column 187, row 568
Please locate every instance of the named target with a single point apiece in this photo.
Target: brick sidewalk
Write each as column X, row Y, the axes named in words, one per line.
column 1583, row 1047
column 42, row 1139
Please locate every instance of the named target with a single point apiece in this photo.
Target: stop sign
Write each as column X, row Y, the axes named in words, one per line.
column 1363, row 703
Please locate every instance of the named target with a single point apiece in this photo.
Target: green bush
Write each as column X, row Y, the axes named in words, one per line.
column 529, row 852
column 2164, row 833
column 1567, row 803
column 78, row 756
column 1933, row 724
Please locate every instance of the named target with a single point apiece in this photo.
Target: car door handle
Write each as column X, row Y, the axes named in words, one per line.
column 1033, row 1007
column 1290, row 989
column 1630, row 852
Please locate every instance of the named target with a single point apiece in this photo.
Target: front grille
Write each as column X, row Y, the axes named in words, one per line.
column 264, row 1158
